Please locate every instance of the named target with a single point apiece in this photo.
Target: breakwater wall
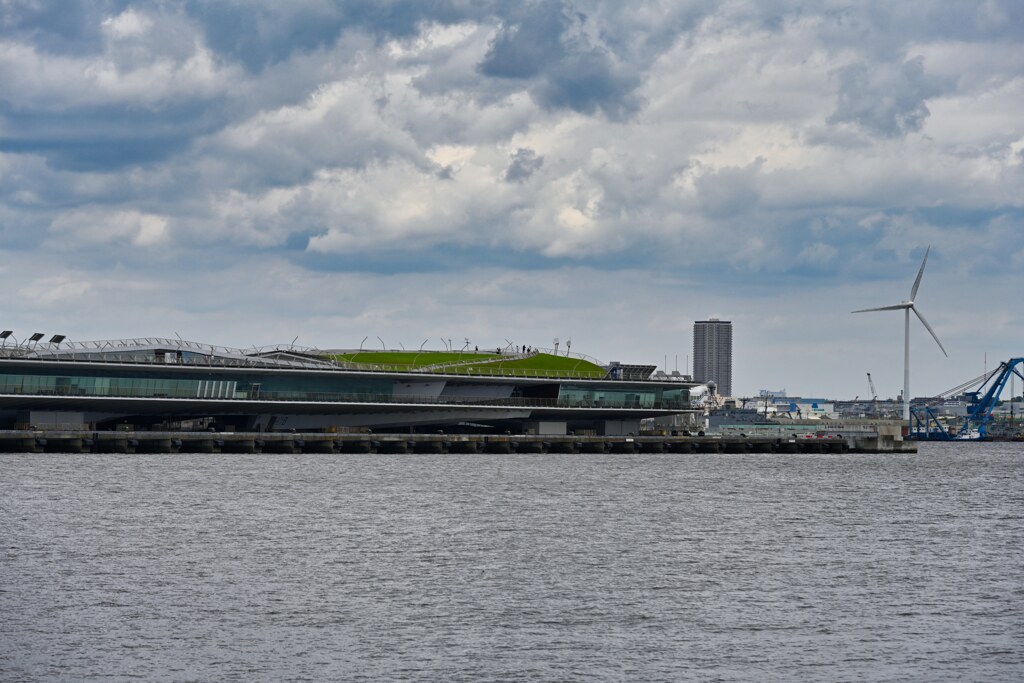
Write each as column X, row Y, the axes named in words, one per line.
column 72, row 441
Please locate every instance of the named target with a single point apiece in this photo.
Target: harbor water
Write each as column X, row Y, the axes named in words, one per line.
column 480, row 567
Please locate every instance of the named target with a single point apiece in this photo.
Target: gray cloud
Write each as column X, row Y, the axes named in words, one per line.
column 731, row 190
column 526, row 44
column 887, row 100
column 590, row 80
column 547, row 44
column 264, row 32
column 68, row 27
column 525, row 162
column 108, row 137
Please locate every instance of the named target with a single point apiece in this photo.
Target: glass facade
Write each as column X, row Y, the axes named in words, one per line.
column 283, row 386
column 209, row 386
column 615, row 397
column 674, row 398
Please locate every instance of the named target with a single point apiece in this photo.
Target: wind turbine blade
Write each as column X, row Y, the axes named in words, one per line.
column 894, row 307
column 929, row 328
column 917, row 282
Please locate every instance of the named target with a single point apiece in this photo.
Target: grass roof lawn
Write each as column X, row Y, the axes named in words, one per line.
column 415, row 359
column 542, row 364
column 561, row 366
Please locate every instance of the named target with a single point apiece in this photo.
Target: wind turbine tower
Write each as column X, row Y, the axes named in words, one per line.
column 907, row 307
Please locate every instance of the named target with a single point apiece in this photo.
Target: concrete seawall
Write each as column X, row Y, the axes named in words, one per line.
column 52, row 441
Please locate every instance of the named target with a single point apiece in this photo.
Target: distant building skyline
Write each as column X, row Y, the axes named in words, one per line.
column 712, row 353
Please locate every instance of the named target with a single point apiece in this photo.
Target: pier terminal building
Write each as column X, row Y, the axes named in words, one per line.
column 160, row 383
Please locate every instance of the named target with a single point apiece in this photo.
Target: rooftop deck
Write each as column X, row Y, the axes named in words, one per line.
column 540, row 363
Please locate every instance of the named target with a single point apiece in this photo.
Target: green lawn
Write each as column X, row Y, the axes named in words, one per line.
column 410, row 358
column 560, row 365
column 542, row 364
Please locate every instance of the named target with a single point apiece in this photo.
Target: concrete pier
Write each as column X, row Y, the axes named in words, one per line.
column 70, row 441
column 71, row 444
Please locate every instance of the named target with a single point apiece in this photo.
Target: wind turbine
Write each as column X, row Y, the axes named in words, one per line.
column 907, row 307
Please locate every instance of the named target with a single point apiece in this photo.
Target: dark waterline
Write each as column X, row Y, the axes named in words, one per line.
column 497, row 567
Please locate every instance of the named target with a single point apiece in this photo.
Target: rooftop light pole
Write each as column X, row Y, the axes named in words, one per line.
column 353, row 358
column 57, row 339
column 419, row 352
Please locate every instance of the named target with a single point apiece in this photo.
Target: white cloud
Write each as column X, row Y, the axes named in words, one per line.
column 49, row 291
column 100, row 226
column 400, row 206
column 133, row 67
column 818, row 254
column 127, row 24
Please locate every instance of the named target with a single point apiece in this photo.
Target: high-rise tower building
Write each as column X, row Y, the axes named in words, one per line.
column 712, row 353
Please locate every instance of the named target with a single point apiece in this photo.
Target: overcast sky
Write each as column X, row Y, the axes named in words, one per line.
column 244, row 172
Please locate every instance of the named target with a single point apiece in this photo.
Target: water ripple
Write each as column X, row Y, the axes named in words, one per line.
column 481, row 567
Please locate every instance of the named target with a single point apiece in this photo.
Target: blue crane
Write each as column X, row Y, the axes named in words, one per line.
column 925, row 426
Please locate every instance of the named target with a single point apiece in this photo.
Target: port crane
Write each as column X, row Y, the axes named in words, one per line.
column 925, row 426
column 874, row 396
